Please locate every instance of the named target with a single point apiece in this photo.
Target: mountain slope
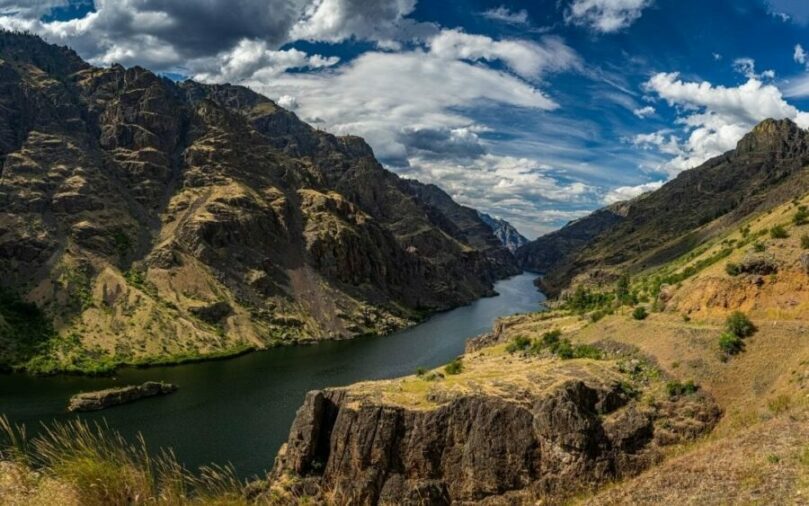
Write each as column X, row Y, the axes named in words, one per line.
column 505, row 232
column 152, row 220
column 550, row 250
column 765, row 169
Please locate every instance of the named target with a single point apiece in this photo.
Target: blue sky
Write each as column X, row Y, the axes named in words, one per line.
column 537, row 112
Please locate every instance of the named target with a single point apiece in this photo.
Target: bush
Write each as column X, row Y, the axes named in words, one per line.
column 676, row 389
column 759, row 247
column 733, row 269
column 454, row 367
column 730, row 344
column 801, row 216
column 805, row 241
column 778, row 232
column 640, row 313
column 597, row 315
column 551, row 338
column 519, row 343
column 421, row 371
column 738, row 324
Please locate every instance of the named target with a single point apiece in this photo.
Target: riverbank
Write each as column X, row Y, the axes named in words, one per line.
column 247, row 429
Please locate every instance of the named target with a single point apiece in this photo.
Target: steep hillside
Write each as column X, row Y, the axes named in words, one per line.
column 767, row 168
column 552, row 250
column 707, row 355
column 505, row 231
column 153, row 221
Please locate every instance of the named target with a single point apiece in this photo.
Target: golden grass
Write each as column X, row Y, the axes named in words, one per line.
column 90, row 465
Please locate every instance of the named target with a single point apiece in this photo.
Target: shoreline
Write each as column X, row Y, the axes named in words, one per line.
column 172, row 361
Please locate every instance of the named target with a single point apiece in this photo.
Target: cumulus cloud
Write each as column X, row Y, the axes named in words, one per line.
column 253, row 59
column 790, row 10
column 713, row 117
column 506, row 15
column 644, row 112
column 605, row 16
column 623, row 193
column 524, row 57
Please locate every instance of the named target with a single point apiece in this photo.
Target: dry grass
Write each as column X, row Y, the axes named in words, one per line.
column 76, row 463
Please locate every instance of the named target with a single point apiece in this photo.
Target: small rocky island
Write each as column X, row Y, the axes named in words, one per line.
column 103, row 399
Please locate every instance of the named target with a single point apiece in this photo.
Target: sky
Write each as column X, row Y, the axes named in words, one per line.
column 537, row 112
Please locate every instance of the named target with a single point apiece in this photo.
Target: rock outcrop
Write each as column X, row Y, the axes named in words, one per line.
column 505, row 232
column 149, row 218
column 543, row 431
column 103, row 399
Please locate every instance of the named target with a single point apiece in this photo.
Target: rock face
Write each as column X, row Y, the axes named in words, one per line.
column 103, row 399
column 505, row 232
column 483, row 449
column 765, row 170
column 210, row 216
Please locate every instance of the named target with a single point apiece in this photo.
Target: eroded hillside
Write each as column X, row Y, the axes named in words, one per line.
column 154, row 221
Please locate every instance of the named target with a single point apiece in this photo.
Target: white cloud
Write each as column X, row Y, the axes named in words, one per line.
column 714, row 117
column 379, row 20
column 799, row 55
column 747, row 68
column 525, row 58
column 605, row 16
column 644, row 112
column 378, row 94
column 253, row 59
column 29, row 8
column 629, row 192
column 505, row 15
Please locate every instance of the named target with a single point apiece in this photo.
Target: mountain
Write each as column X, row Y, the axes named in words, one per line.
column 765, row 170
column 505, row 232
column 548, row 251
column 691, row 371
column 149, row 220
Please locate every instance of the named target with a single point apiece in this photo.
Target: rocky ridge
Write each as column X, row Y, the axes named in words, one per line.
column 153, row 220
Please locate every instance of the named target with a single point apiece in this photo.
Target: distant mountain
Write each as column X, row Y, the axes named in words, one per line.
column 151, row 221
column 504, row 231
column 550, row 250
column 766, row 169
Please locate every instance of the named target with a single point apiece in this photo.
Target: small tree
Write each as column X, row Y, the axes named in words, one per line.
column 454, row 367
column 738, row 324
column 622, row 290
column 730, row 343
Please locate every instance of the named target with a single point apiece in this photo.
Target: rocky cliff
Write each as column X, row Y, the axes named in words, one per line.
column 505, row 232
column 508, row 429
column 152, row 220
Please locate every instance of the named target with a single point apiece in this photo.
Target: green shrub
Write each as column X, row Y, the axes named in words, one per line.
column 801, row 216
column 805, row 241
column 759, row 247
column 778, row 232
column 551, row 338
column 686, row 318
column 421, row 371
column 597, row 315
column 586, row 351
column 454, row 367
column 640, row 313
column 738, row 324
column 519, row 343
column 733, row 269
column 730, row 344
column 676, row 389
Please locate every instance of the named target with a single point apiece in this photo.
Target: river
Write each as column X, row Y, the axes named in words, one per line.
column 240, row 410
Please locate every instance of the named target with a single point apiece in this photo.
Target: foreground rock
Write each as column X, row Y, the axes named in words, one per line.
column 103, row 399
column 509, row 429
